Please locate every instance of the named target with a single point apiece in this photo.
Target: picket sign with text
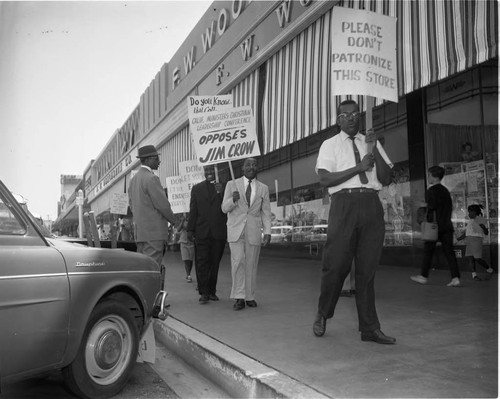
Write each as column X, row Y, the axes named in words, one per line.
column 223, row 134
column 364, row 54
column 177, row 195
column 179, row 187
column 119, row 203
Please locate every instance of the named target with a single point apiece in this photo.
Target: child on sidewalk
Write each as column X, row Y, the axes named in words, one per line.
column 474, row 233
column 187, row 248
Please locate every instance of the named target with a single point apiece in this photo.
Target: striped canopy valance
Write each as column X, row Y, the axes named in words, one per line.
column 435, row 40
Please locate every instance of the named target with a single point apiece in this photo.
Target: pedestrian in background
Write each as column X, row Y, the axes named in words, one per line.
column 246, row 202
column 438, row 202
column 474, row 234
column 356, row 228
column 150, row 208
column 207, row 225
column 187, row 247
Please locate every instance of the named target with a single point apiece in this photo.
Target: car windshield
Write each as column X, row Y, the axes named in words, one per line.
column 39, row 222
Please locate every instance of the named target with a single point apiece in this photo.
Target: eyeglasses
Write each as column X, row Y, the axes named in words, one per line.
column 353, row 115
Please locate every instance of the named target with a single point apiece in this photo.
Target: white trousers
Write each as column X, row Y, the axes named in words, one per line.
column 244, row 261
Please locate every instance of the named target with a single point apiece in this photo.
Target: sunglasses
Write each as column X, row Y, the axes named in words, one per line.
column 352, row 115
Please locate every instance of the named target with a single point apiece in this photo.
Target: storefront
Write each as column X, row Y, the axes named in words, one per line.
column 275, row 56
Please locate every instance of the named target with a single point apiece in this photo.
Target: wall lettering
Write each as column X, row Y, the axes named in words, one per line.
column 176, row 77
column 189, row 61
column 219, row 74
column 246, row 47
column 283, row 12
column 222, row 22
column 208, row 39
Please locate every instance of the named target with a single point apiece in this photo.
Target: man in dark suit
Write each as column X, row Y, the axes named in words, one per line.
column 150, row 208
column 207, row 225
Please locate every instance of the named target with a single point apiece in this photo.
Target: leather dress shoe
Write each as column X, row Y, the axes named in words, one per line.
column 213, row 297
column 377, row 336
column 239, row 304
column 204, row 299
column 251, row 304
column 319, row 326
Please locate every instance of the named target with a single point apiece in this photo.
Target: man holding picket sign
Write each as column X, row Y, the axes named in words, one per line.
column 354, row 168
column 207, row 225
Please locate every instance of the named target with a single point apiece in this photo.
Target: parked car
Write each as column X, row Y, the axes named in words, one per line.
column 299, row 233
column 317, row 233
column 279, row 233
column 70, row 307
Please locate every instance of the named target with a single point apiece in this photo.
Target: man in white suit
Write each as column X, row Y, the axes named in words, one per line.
column 150, row 208
column 246, row 202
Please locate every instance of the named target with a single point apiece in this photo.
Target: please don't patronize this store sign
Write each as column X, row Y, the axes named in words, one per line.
column 220, row 132
column 364, row 54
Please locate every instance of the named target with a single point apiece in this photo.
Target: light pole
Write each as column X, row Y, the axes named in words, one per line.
column 79, row 203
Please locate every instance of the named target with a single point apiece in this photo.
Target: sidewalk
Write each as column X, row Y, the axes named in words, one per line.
column 447, row 338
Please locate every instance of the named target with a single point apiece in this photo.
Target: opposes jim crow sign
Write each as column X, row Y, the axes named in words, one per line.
column 223, row 134
column 364, row 54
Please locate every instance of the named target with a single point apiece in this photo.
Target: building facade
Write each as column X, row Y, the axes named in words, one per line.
column 276, row 57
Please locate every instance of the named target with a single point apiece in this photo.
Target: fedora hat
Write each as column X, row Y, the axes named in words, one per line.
column 147, row 151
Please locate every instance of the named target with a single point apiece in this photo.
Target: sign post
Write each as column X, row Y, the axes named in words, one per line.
column 79, row 203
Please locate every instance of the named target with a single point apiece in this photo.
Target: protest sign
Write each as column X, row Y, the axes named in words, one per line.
column 192, row 173
column 177, row 195
column 224, row 135
column 364, row 54
column 119, row 203
column 202, row 104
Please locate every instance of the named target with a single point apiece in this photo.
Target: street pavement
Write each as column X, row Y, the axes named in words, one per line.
column 447, row 338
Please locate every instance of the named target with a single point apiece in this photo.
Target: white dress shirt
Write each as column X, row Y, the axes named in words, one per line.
column 336, row 155
column 252, row 185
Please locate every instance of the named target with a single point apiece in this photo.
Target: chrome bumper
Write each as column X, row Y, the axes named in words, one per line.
column 160, row 308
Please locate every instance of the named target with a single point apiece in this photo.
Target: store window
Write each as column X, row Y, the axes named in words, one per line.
column 301, row 205
column 462, row 137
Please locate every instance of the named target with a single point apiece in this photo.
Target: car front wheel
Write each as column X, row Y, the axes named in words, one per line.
column 107, row 353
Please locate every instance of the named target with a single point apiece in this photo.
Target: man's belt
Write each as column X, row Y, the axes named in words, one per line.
column 355, row 190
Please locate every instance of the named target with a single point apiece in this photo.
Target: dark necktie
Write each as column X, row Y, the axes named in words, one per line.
column 248, row 193
column 362, row 175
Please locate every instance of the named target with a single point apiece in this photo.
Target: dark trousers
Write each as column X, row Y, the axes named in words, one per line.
column 208, row 253
column 355, row 231
column 446, row 239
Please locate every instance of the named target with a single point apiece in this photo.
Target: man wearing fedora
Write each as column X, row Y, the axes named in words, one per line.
column 150, row 208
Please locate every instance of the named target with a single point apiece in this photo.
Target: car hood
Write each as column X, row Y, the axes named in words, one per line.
column 79, row 257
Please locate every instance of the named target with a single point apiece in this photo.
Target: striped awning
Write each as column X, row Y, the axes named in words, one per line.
column 436, row 39
column 246, row 92
column 178, row 149
column 297, row 95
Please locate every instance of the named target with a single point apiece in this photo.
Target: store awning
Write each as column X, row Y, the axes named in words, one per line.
column 66, row 218
column 435, row 40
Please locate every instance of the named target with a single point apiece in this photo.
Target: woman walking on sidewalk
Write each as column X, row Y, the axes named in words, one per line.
column 438, row 200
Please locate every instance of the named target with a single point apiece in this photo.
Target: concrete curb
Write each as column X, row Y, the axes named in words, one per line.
column 236, row 373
